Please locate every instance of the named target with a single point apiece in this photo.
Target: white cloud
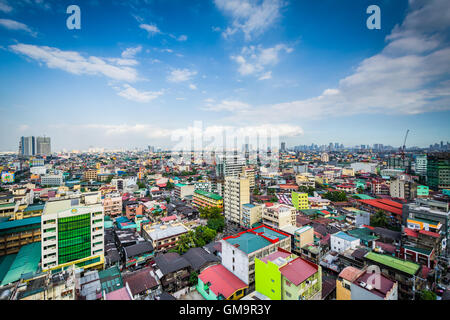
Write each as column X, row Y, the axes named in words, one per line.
column 74, row 62
column 192, row 86
column 266, row 76
column 253, row 60
column 5, row 7
column 252, row 17
column 410, row 75
column 182, row 38
column 147, row 130
column 130, row 53
column 130, row 93
column 24, row 127
column 150, row 28
column 180, row 75
column 226, row 105
column 14, row 25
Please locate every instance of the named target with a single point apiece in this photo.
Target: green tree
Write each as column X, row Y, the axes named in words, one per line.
column 378, row 219
column 193, row 278
column 169, row 185
column 204, row 235
column 186, row 242
column 427, row 295
column 141, row 185
column 217, row 224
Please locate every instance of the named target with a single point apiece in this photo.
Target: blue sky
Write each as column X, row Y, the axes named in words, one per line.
column 311, row 70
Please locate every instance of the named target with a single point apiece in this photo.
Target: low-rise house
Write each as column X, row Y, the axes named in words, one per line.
column 218, row 283
column 142, row 283
column 284, row 276
column 173, row 271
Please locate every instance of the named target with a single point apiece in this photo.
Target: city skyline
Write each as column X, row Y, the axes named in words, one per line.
column 309, row 70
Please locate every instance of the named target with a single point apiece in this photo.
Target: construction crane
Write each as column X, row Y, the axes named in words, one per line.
column 402, row 148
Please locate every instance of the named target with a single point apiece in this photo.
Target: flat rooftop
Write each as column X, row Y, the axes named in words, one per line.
column 255, row 239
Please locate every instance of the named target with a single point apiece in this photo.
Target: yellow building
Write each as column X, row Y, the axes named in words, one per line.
column 206, row 199
column 90, row 175
column 300, row 200
column 344, row 281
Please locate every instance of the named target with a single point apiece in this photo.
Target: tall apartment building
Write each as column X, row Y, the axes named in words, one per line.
column 237, row 193
column 279, row 215
column 402, row 187
column 420, row 165
column 438, row 171
column 240, row 250
column 30, row 146
column 43, row 146
column 230, row 166
column 72, row 232
column 249, row 173
column 27, row 146
column 251, row 214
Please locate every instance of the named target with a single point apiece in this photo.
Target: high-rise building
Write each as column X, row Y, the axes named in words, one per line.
column 230, row 166
column 43, row 146
column 438, row 171
column 27, row 146
column 237, row 193
column 283, row 147
column 249, row 173
column 421, row 165
column 72, row 232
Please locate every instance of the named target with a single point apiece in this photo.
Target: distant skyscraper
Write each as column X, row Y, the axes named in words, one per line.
column 283, row 147
column 27, row 146
column 43, row 146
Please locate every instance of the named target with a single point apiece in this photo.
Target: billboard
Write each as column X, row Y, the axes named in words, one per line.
column 7, row 177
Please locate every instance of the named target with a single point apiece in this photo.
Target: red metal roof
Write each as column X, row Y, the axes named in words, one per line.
column 298, row 270
column 222, row 281
column 411, row 233
column 383, row 204
column 430, row 233
column 169, row 218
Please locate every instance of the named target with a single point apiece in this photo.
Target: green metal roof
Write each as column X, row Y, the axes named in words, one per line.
column 110, row 279
column 250, row 242
column 363, row 196
column 26, row 262
column 395, row 263
column 363, row 234
column 5, row 264
column 20, row 223
column 209, row 194
column 34, row 207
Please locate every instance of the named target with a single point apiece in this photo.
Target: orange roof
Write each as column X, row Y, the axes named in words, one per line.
column 350, row 273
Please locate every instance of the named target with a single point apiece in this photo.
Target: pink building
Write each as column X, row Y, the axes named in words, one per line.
column 112, row 206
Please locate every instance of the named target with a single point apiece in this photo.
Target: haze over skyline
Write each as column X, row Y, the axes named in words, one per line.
column 137, row 71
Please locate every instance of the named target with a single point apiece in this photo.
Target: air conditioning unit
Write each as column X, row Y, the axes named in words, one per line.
column 363, row 284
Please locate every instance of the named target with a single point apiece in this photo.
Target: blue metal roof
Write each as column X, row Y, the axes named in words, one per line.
column 345, row 236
